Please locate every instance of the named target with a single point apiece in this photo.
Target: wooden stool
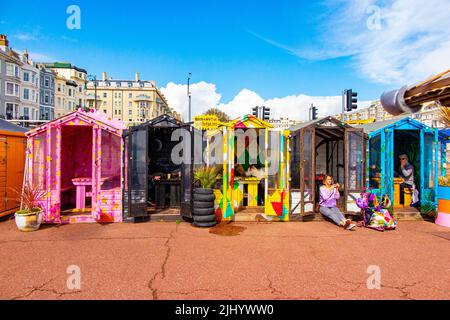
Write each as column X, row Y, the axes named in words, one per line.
column 407, row 196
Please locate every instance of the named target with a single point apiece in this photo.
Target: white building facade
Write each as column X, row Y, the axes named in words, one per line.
column 30, row 91
column 10, row 81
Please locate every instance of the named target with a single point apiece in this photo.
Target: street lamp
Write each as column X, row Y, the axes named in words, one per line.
column 189, row 95
column 93, row 78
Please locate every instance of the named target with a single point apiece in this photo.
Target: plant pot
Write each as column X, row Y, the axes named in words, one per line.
column 28, row 221
column 443, row 215
column 203, row 208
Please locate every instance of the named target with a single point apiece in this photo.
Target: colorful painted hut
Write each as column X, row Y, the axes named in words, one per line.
column 254, row 158
column 320, row 147
column 157, row 187
column 399, row 136
column 12, row 162
column 77, row 161
column 443, row 210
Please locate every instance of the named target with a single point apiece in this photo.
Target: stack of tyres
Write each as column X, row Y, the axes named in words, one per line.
column 203, row 209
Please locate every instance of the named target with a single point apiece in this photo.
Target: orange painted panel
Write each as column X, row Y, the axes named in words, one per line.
column 444, row 206
column 12, row 155
column 2, row 174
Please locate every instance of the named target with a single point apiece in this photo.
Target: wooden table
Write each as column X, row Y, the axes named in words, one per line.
column 81, row 194
column 252, row 190
column 161, row 194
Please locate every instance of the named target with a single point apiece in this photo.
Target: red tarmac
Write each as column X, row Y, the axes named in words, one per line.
column 165, row 260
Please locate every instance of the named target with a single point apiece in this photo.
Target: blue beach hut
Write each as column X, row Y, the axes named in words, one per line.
column 387, row 141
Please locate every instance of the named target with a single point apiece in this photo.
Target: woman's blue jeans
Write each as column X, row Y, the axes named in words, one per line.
column 333, row 213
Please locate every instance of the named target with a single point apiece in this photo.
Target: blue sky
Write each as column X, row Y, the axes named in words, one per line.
column 272, row 49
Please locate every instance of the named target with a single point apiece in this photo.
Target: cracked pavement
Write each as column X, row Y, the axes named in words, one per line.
column 165, row 260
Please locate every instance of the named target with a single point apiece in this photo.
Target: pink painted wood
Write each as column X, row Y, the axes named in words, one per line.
column 81, row 194
column 80, row 149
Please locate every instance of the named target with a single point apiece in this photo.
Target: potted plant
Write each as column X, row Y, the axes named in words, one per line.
column 29, row 217
column 203, row 206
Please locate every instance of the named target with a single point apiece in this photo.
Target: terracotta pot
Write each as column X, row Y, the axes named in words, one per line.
column 29, row 221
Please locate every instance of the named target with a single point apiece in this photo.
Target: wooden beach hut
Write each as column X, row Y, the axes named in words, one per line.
column 12, row 163
column 420, row 143
column 320, row 147
column 77, row 161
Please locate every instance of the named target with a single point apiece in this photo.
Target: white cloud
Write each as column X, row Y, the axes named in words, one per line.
column 38, row 56
column 205, row 96
column 24, row 36
column 411, row 42
column 69, row 39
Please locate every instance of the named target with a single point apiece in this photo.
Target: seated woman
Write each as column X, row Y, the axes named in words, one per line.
column 329, row 193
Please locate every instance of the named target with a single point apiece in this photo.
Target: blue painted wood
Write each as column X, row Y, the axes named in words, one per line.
column 402, row 124
column 436, row 159
column 443, row 193
column 383, row 162
column 390, row 163
column 422, row 163
column 386, row 135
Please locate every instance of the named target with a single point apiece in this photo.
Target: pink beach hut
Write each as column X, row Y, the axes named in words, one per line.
column 77, row 161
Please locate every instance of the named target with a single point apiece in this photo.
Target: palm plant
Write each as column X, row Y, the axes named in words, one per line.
column 445, row 115
column 206, row 176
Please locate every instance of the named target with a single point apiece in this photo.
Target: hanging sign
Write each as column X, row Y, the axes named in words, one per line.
column 206, row 122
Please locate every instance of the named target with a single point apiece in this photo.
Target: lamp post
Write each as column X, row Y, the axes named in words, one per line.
column 93, row 78
column 189, row 95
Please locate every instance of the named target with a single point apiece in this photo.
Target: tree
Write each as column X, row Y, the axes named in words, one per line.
column 222, row 116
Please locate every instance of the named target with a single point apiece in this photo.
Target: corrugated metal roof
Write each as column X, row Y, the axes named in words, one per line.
column 371, row 127
column 11, row 127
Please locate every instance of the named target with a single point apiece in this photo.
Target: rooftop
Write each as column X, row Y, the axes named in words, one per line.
column 63, row 65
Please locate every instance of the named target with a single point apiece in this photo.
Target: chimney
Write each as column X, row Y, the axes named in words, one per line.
column 4, row 43
column 25, row 55
column 103, row 76
column 136, row 76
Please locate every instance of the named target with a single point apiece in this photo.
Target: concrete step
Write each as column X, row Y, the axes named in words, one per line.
column 164, row 217
column 414, row 216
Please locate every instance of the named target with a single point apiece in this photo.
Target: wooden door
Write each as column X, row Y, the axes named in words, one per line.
column 138, row 172
column 3, row 195
column 307, row 170
column 354, row 159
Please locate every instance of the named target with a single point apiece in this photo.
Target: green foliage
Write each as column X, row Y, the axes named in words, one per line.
column 206, row 176
column 30, row 198
column 428, row 208
column 444, row 182
column 222, row 116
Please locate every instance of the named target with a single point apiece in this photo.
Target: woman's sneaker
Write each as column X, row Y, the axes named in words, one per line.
column 351, row 226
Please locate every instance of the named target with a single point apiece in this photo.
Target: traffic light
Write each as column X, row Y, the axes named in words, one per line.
column 255, row 111
column 351, row 99
column 266, row 114
column 314, row 111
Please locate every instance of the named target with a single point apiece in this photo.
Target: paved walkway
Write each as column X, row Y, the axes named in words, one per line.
column 313, row 260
